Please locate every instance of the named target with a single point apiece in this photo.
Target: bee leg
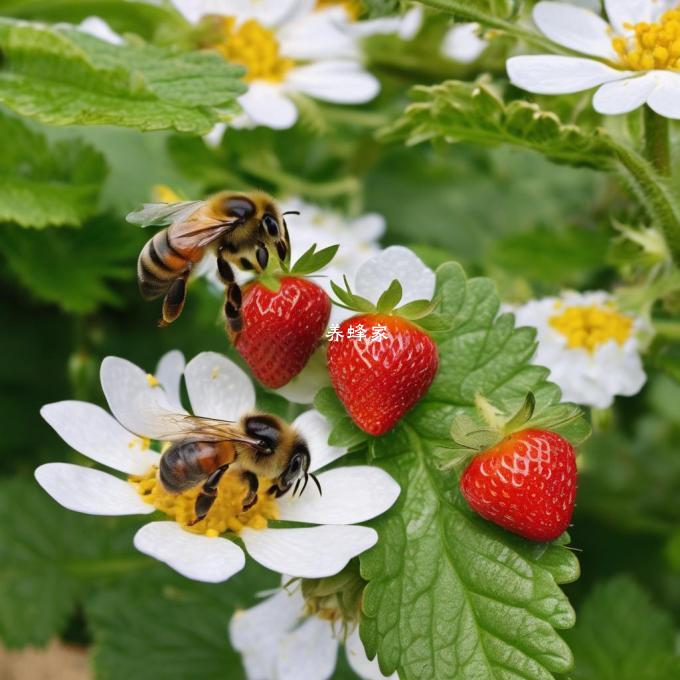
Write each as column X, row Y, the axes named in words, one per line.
column 208, row 494
column 253, row 484
column 232, row 304
column 262, row 255
column 174, row 299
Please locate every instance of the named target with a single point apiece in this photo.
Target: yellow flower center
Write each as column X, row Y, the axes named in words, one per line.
column 225, row 515
column 252, row 45
column 653, row 45
column 589, row 327
column 352, row 7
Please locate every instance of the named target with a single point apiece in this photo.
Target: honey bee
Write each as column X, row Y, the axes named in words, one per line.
column 204, row 449
column 238, row 227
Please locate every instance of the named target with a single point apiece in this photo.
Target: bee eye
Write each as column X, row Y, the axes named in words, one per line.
column 265, row 429
column 239, row 207
column 271, row 225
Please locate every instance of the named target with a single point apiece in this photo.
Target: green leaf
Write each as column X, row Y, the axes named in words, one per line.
column 390, row 298
column 124, row 16
column 622, row 635
column 47, row 554
column 66, row 77
column 312, row 260
column 73, row 267
column 456, row 111
column 451, row 595
column 45, row 185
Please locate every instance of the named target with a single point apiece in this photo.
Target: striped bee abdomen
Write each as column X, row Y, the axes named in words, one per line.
column 158, row 266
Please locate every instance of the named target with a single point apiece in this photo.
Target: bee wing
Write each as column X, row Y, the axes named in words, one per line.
column 162, row 214
column 207, row 429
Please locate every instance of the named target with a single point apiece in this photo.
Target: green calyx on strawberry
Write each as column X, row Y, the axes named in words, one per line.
column 522, row 476
column 284, row 318
column 380, row 361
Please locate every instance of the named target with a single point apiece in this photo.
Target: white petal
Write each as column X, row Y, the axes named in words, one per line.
column 622, row 12
column 218, row 388
column 577, row 28
column 341, row 82
column 138, row 404
column 100, row 29
column 214, row 139
column 169, row 375
column 90, row 430
column 267, row 12
column 318, row 35
column 310, row 652
column 255, row 632
column 315, row 429
column 411, row 23
column 308, row 553
column 314, row 376
column 396, row 262
column 198, row 557
column 356, row 655
column 463, row 44
column 265, row 104
column 623, row 96
column 665, row 98
column 372, row 492
column 553, row 74
column 90, row 491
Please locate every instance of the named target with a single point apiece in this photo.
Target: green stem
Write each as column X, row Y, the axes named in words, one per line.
column 467, row 11
column 654, row 192
column 657, row 148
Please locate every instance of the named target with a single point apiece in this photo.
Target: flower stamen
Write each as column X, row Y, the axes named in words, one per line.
column 251, row 45
column 591, row 326
column 226, row 513
column 653, row 45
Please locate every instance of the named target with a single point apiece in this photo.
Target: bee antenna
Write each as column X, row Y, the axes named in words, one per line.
column 316, row 481
column 304, row 486
column 297, row 484
column 291, row 212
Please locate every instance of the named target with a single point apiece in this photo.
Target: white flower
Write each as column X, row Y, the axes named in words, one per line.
column 633, row 59
column 217, row 388
column 278, row 641
column 463, row 44
column 590, row 347
column 373, row 277
column 286, row 47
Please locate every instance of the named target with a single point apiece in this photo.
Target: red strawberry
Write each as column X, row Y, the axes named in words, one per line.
column 281, row 329
column 526, row 483
column 379, row 380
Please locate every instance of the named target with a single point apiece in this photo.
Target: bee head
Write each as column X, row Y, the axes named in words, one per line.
column 260, row 228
